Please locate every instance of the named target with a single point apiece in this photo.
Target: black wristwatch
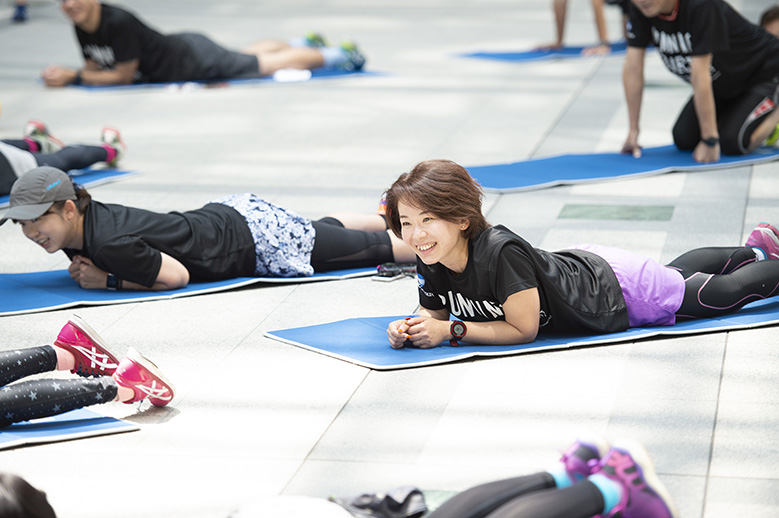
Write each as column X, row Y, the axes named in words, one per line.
column 457, row 330
column 711, row 141
column 112, row 282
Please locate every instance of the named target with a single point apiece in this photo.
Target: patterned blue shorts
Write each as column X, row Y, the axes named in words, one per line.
column 283, row 240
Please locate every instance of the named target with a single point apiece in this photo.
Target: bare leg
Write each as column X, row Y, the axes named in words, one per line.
column 301, row 58
column 265, row 46
column 401, row 252
column 361, row 221
column 763, row 131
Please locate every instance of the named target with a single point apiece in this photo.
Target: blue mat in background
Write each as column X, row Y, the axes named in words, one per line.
column 363, row 341
column 572, row 169
column 617, row 48
column 319, row 73
column 47, row 291
column 64, row 427
column 88, row 178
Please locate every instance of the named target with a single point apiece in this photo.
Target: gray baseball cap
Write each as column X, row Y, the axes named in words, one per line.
column 35, row 191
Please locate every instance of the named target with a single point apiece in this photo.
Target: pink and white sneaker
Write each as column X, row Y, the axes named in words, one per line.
column 93, row 358
column 37, row 131
column 766, row 238
column 112, row 138
column 138, row 373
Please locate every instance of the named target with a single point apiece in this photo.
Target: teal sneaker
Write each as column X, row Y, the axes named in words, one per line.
column 354, row 58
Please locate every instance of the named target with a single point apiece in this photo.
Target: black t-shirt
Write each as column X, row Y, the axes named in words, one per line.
column 743, row 53
column 122, row 37
column 578, row 290
column 212, row 242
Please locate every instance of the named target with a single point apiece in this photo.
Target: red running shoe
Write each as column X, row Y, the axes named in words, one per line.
column 138, row 373
column 93, row 358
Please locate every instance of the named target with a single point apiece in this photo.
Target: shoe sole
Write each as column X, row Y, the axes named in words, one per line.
column 641, row 457
column 147, row 364
column 80, row 324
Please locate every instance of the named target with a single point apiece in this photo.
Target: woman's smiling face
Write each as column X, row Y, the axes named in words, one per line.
column 433, row 239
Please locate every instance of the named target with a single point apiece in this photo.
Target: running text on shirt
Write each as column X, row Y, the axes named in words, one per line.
column 102, row 54
column 675, row 51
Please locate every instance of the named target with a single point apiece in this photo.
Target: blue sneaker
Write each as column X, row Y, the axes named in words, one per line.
column 20, row 13
column 644, row 496
column 354, row 58
column 583, row 457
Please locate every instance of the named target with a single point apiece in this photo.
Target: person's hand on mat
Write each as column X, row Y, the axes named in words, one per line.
column 423, row 332
column 598, row 50
column 55, row 75
column 705, row 154
column 86, row 274
column 631, row 146
column 549, row 47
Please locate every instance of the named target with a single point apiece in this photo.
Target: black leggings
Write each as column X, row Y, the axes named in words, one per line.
column 737, row 119
column 531, row 496
column 339, row 248
column 67, row 158
column 44, row 397
column 721, row 280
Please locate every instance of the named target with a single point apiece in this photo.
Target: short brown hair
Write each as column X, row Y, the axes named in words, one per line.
column 442, row 188
column 769, row 15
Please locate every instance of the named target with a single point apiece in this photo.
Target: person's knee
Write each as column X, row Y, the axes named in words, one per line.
column 684, row 139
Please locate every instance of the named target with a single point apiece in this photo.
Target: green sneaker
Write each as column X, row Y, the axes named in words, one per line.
column 315, row 40
column 773, row 139
column 354, row 58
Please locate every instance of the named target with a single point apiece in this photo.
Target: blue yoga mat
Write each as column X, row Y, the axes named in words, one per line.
column 320, row 73
column 88, row 178
column 572, row 169
column 64, row 427
column 363, row 341
column 542, row 55
column 46, row 291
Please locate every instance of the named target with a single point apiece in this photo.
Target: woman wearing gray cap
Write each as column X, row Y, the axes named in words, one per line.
column 117, row 247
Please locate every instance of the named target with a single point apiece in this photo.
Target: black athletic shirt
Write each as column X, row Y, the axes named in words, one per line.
column 578, row 290
column 212, row 242
column 122, row 37
column 743, row 53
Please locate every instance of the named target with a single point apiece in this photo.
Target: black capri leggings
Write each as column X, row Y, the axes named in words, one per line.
column 737, row 119
column 722, row 280
column 531, row 496
column 339, row 248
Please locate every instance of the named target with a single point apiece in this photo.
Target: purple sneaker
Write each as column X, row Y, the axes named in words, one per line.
column 629, row 464
column 766, row 238
column 582, row 457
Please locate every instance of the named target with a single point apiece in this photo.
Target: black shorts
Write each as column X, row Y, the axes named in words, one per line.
column 737, row 119
column 211, row 61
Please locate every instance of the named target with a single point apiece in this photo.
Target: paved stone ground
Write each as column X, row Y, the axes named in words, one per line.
column 255, row 417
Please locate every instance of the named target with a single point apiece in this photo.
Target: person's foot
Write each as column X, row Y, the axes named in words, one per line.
column 315, row 40
column 20, row 14
column 766, row 238
column 112, row 138
column 93, row 358
column 138, row 373
column 37, row 131
column 643, row 496
column 354, row 58
column 582, row 457
column 773, row 138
